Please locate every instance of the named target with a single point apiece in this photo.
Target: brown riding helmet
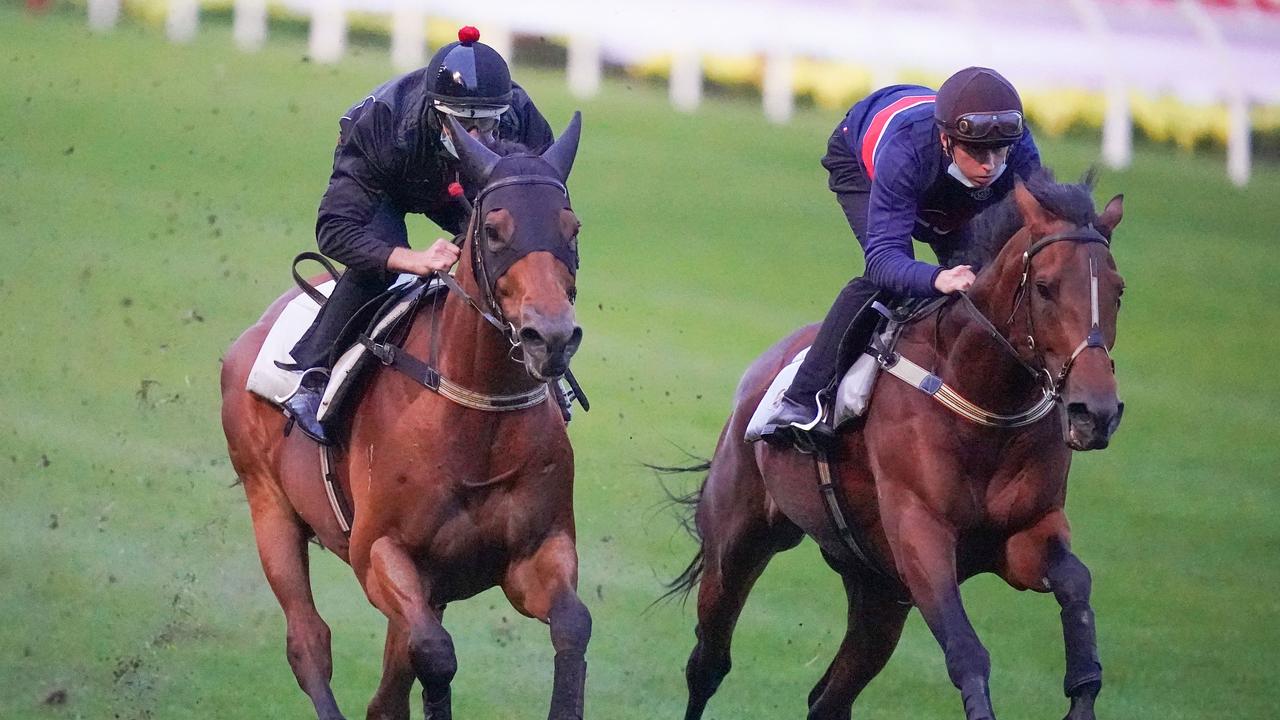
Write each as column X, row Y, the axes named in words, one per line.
column 977, row 106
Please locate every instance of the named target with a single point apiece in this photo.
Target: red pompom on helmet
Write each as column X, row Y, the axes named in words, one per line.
column 455, row 190
column 468, row 34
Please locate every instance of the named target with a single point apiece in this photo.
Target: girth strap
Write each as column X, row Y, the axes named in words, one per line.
column 430, row 378
column 851, row 536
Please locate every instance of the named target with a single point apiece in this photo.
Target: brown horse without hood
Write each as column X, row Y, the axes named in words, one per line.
column 448, row 500
column 938, row 498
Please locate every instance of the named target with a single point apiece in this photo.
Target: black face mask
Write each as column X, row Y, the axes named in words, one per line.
column 535, row 201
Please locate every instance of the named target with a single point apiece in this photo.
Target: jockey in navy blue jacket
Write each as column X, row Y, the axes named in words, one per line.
column 907, row 162
column 395, row 156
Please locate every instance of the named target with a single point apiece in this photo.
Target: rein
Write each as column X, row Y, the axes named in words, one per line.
column 1051, row 386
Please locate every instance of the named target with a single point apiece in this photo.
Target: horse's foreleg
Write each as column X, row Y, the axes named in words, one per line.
column 875, row 624
column 391, row 701
column 395, row 586
column 1071, row 584
column 544, row 586
column 924, row 549
column 282, row 547
column 1040, row 559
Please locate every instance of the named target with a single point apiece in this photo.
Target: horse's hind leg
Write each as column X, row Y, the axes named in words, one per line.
column 542, row 586
column 875, row 624
column 738, row 539
column 282, row 547
column 391, row 701
column 395, row 586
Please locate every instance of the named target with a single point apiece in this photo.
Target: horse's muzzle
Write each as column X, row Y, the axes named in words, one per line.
column 1090, row 425
column 548, row 345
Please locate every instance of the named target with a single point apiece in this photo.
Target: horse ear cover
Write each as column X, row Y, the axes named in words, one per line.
column 476, row 159
column 562, row 152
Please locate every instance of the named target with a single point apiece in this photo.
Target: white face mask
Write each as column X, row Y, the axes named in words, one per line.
column 447, row 142
column 955, row 172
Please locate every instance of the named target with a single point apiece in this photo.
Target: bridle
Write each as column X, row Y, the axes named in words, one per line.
column 1085, row 235
column 426, row 373
column 491, row 310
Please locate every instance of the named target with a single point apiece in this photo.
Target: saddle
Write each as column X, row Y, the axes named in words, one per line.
column 272, row 378
column 853, row 393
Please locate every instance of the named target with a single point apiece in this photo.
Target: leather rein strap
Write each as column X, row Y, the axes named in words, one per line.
column 932, row 385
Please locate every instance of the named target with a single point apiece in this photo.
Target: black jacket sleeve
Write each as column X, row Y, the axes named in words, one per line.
column 534, row 131
column 362, row 165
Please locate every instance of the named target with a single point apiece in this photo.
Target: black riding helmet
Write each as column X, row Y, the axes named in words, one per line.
column 468, row 77
column 977, row 106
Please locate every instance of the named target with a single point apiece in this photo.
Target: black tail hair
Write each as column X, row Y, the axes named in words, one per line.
column 687, row 505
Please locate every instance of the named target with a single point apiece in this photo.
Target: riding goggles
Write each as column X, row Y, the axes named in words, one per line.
column 988, row 126
column 482, row 118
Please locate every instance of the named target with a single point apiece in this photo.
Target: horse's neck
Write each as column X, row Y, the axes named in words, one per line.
column 469, row 351
column 978, row 365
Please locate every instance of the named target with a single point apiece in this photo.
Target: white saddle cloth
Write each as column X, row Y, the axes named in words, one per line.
column 269, row 381
column 852, row 395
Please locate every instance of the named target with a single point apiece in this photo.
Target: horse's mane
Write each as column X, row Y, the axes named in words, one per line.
column 993, row 227
column 509, row 148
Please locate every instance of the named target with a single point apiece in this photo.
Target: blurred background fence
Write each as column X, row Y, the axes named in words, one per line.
column 1193, row 72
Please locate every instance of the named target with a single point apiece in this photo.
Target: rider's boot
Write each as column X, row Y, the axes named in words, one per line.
column 801, row 418
column 304, row 403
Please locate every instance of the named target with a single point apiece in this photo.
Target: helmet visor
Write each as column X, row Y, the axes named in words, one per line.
column 988, row 127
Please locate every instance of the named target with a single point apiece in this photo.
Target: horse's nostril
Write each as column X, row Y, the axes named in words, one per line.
column 530, row 336
column 1078, row 411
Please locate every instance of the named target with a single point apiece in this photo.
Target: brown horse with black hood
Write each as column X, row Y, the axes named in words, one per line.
column 455, row 492
column 963, row 473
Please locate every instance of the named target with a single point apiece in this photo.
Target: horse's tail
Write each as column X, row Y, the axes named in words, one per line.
column 687, row 506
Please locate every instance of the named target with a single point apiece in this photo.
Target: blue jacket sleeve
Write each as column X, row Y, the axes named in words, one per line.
column 361, row 165
column 891, row 219
column 1024, row 158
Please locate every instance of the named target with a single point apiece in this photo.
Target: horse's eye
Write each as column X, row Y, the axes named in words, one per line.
column 1045, row 291
column 491, row 235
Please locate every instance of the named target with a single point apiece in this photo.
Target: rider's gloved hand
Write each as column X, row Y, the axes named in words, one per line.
column 440, row 256
column 956, row 279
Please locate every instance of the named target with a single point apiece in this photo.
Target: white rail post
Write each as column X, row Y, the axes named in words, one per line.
column 778, row 92
column 499, row 38
column 103, row 14
column 328, row 37
column 182, row 21
column 250, row 24
column 1239, row 145
column 408, row 35
column 1117, row 127
column 584, row 66
column 686, row 80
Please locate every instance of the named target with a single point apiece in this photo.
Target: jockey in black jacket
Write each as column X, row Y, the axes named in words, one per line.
column 395, row 156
